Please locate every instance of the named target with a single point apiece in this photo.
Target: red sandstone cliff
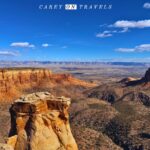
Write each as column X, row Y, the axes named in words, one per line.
column 14, row 81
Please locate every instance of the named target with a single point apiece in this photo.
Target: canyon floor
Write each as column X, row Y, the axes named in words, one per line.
column 112, row 114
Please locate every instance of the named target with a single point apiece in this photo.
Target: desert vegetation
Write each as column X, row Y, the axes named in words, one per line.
column 108, row 115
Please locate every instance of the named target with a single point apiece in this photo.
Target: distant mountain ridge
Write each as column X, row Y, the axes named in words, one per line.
column 37, row 63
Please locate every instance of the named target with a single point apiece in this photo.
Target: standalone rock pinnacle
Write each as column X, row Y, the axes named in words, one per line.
column 40, row 121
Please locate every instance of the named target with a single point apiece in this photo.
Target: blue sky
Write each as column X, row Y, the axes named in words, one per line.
column 30, row 32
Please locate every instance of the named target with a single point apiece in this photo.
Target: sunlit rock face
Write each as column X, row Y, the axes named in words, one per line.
column 14, row 81
column 5, row 147
column 40, row 121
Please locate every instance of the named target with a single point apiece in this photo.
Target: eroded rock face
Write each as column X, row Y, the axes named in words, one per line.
column 13, row 82
column 21, row 76
column 40, row 121
column 147, row 76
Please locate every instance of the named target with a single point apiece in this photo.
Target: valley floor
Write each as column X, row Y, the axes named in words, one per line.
column 110, row 116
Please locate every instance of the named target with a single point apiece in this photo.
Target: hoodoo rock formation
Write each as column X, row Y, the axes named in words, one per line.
column 14, row 81
column 40, row 121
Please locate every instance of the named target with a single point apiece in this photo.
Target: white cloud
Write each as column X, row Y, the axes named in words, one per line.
column 45, row 45
column 124, row 30
column 125, row 50
column 103, row 35
column 146, row 5
column 131, row 24
column 143, row 47
column 8, row 53
column 109, row 33
column 22, row 44
column 123, row 26
column 139, row 48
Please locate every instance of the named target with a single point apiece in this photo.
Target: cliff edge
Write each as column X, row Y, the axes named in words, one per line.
column 13, row 82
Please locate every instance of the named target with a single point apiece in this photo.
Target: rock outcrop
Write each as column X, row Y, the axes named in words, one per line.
column 129, row 79
column 14, row 81
column 18, row 77
column 144, row 81
column 40, row 121
column 147, row 76
column 125, row 90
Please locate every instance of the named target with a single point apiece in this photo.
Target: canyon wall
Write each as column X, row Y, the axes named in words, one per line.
column 14, row 81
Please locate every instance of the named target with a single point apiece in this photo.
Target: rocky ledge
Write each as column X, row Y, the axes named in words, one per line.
column 40, row 121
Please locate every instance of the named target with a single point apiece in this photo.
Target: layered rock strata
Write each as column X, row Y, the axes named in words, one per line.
column 13, row 82
column 40, row 121
column 18, row 77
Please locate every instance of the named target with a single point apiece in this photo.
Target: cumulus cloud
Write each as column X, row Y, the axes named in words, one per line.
column 109, row 33
column 123, row 26
column 143, row 47
column 46, row 45
column 146, row 5
column 22, row 44
column 139, row 48
column 131, row 24
column 8, row 53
